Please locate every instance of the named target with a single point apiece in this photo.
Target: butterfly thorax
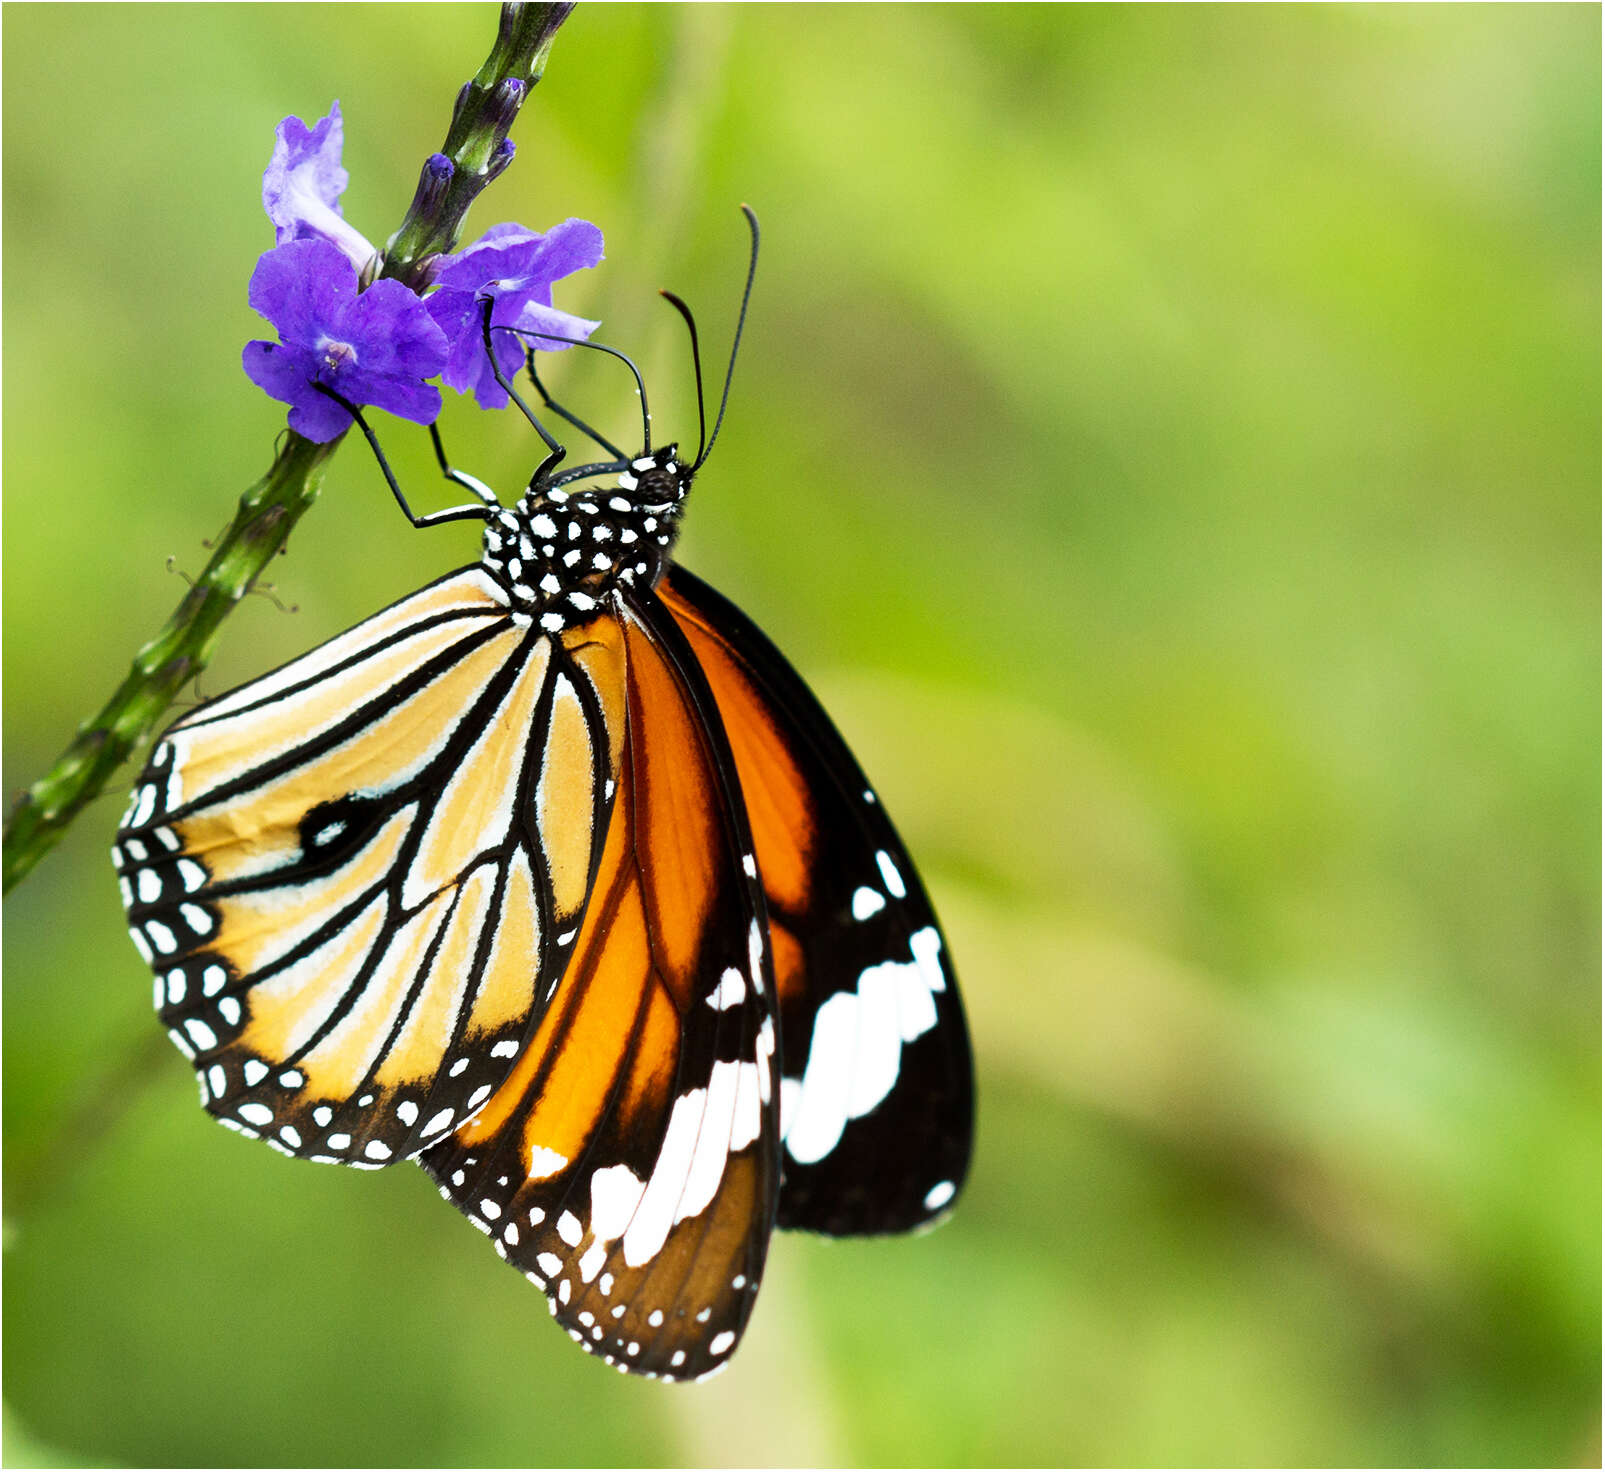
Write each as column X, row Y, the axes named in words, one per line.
column 560, row 552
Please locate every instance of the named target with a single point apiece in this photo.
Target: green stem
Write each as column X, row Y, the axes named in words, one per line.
column 476, row 145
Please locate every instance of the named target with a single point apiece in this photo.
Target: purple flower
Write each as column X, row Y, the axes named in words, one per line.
column 374, row 348
column 304, row 181
column 516, row 268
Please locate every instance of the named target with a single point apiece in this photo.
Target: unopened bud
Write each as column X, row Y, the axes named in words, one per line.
column 499, row 159
column 433, row 182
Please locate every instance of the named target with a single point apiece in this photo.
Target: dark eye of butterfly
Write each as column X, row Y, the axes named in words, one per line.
column 657, row 484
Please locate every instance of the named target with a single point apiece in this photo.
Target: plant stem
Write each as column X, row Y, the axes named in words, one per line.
column 476, row 144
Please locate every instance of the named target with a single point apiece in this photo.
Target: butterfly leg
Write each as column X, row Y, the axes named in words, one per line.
column 433, row 518
column 561, row 412
column 511, row 392
column 460, row 477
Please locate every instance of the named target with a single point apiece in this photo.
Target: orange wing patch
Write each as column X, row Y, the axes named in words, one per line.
column 875, row 1080
column 779, row 806
column 629, row 1163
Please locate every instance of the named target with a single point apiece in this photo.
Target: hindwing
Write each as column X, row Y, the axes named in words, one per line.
column 357, row 878
column 876, row 1086
column 628, row 1165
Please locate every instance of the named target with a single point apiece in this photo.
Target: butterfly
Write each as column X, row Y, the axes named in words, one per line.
column 556, row 878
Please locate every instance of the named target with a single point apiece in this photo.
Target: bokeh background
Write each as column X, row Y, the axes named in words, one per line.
column 1170, row 442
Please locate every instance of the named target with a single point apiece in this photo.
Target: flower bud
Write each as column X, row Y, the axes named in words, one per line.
column 433, row 182
column 499, row 159
column 504, row 103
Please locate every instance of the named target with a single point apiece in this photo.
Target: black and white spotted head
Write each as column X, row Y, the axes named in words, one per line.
column 565, row 547
column 576, row 537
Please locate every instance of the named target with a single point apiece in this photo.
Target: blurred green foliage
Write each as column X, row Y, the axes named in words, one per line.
column 1170, row 441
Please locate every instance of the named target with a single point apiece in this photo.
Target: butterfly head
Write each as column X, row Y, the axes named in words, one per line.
column 572, row 542
column 657, row 477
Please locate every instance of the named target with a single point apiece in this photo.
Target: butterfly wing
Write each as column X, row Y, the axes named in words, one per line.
column 629, row 1165
column 876, row 1092
column 357, row 877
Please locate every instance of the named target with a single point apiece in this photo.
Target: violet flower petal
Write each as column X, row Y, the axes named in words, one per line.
column 303, row 182
column 572, row 246
column 516, row 268
column 485, row 260
column 467, row 369
column 537, row 317
column 406, row 399
column 285, row 373
column 394, row 332
column 302, row 288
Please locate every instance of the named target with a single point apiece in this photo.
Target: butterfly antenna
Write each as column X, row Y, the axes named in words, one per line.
column 696, row 364
column 741, row 321
column 597, row 347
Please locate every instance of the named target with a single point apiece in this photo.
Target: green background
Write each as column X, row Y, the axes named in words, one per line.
column 1169, row 442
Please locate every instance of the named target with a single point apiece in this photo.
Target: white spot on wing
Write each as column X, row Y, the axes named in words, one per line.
column 856, row 1050
column 755, row 955
column 729, row 992
column 867, row 902
column 544, row 1162
column 894, row 880
column 196, row 918
column 144, row 807
column 200, row 1034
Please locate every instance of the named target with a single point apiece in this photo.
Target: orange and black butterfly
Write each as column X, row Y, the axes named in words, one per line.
column 555, row 878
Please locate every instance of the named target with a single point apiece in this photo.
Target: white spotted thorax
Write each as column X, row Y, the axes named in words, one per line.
column 560, row 552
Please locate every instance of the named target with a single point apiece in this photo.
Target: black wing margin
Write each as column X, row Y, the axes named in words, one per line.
column 877, row 1095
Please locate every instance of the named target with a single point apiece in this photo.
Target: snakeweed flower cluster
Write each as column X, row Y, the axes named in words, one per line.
column 381, row 344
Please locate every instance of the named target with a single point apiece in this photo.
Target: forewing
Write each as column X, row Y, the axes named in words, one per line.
column 629, row 1164
column 876, row 1086
column 350, row 880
